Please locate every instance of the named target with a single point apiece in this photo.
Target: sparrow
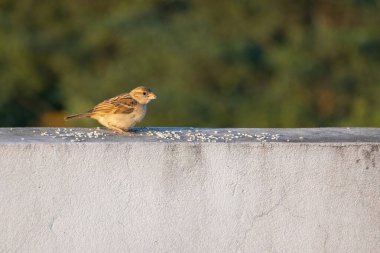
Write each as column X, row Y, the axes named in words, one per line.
column 122, row 112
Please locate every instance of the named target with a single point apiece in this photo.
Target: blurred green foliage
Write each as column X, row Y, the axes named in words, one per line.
column 239, row 63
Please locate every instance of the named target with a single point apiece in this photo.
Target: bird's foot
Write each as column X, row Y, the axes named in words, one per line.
column 116, row 130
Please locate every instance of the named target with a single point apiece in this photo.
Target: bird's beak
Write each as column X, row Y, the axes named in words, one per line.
column 152, row 96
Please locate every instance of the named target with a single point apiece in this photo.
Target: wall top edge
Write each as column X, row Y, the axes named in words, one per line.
column 191, row 135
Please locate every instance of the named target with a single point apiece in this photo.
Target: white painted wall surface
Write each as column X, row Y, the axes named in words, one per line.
column 189, row 197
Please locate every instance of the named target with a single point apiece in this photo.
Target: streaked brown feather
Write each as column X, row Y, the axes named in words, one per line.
column 122, row 104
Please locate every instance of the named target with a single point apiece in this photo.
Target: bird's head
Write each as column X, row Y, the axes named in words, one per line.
column 142, row 94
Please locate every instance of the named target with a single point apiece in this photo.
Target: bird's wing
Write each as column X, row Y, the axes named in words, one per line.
column 122, row 104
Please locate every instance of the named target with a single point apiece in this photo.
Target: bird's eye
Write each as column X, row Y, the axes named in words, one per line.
column 144, row 93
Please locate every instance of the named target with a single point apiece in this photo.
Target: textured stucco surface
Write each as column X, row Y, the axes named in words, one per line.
column 142, row 195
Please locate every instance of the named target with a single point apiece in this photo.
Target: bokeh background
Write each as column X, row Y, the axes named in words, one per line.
column 225, row 63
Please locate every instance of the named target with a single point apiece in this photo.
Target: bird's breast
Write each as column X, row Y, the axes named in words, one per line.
column 124, row 120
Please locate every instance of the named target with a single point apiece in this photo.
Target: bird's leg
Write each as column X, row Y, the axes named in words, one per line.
column 116, row 129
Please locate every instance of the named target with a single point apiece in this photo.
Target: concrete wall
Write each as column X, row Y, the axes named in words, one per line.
column 146, row 193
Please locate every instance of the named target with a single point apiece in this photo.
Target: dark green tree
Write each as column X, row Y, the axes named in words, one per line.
column 236, row 63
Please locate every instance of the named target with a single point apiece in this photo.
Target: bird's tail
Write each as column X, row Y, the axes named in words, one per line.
column 77, row 116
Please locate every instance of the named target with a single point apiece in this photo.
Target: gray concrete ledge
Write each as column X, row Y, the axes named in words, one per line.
column 160, row 134
column 190, row 190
